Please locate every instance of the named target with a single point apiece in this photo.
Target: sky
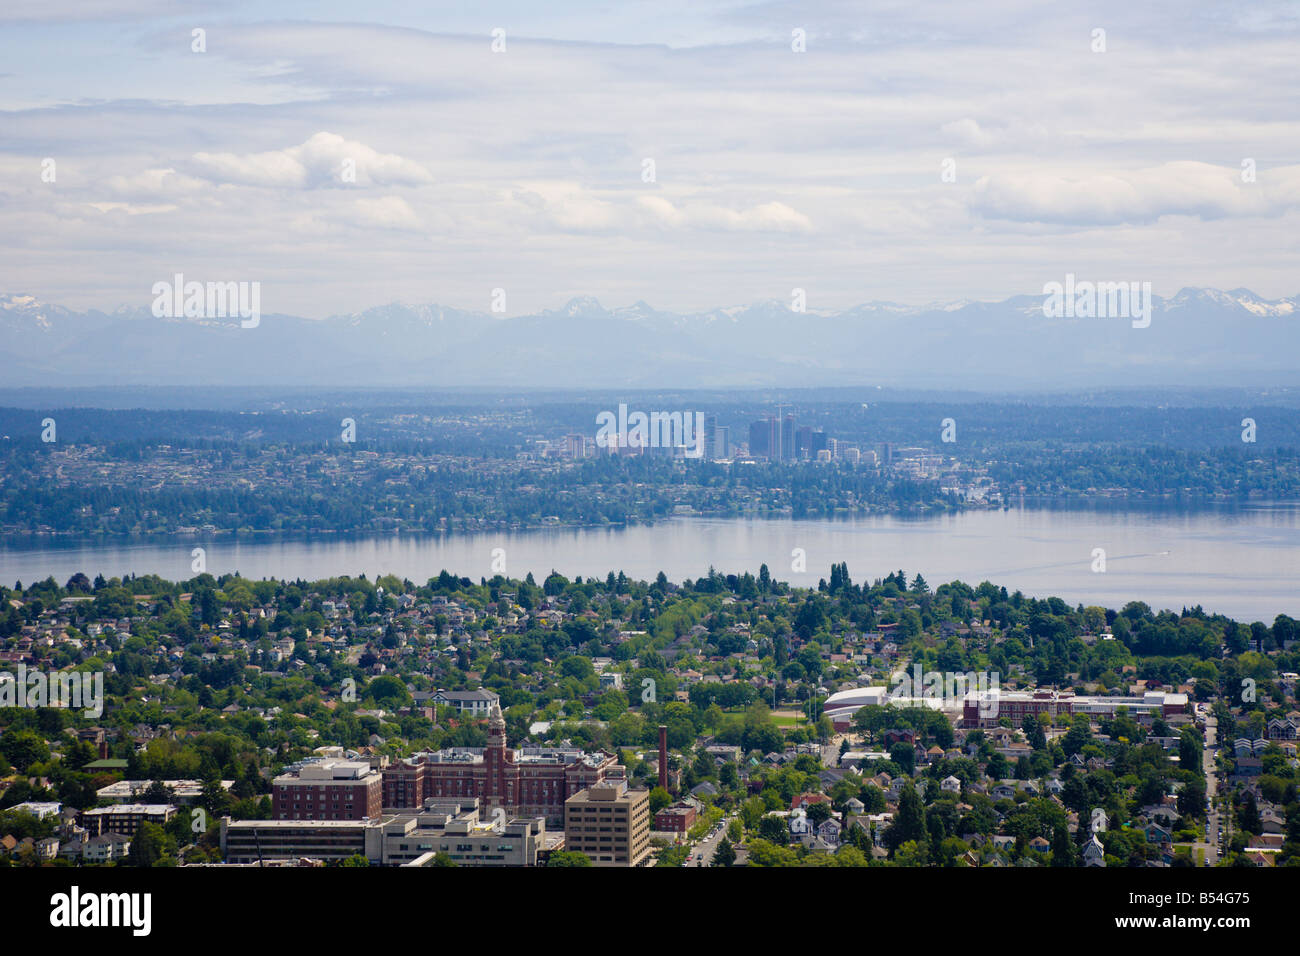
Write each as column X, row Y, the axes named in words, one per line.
column 680, row 153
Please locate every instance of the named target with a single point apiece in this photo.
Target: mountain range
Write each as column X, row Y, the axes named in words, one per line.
column 1199, row 337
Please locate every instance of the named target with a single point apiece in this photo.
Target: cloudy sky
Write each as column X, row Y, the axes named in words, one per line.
column 526, row 169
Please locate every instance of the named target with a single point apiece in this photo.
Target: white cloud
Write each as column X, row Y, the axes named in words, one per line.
column 387, row 212
column 1136, row 196
column 132, row 210
column 154, row 183
column 320, row 161
column 475, row 170
column 967, row 132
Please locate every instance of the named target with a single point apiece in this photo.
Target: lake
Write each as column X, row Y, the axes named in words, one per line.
column 1243, row 561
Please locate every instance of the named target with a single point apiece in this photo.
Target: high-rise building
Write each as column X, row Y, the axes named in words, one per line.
column 716, row 442
column 787, row 449
column 818, row 442
column 609, row 823
column 763, row 439
column 803, row 442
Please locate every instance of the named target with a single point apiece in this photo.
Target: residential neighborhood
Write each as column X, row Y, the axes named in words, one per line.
column 727, row 721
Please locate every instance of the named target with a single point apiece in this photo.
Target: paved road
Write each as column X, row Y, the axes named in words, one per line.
column 1213, row 824
column 702, row 852
column 831, row 752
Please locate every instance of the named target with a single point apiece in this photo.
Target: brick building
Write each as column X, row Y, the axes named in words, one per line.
column 985, row 710
column 678, row 817
column 328, row 790
column 525, row 782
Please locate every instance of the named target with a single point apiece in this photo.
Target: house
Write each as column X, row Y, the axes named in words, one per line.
column 1165, row 816
column 1248, row 767
column 1271, row 821
column 804, row 800
column 950, row 784
column 1155, row 833
column 476, row 703
column 99, row 849
column 1094, row 854
column 830, row 831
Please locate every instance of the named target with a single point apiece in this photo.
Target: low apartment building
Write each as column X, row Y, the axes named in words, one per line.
column 125, row 818
column 181, row 792
column 678, row 817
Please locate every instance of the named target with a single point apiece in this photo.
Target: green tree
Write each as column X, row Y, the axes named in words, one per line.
column 148, row 846
column 725, row 855
column 568, row 858
column 909, row 823
column 659, row 798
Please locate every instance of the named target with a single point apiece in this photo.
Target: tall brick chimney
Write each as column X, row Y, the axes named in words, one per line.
column 663, row 756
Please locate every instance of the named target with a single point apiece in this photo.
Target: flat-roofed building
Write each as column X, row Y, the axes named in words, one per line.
column 678, row 817
column 251, row 841
column 40, row 810
column 456, row 829
column 609, row 823
column 985, row 709
column 468, row 837
column 329, row 790
column 181, row 792
column 125, row 818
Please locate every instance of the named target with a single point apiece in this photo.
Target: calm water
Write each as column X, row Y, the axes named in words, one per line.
column 1244, row 562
